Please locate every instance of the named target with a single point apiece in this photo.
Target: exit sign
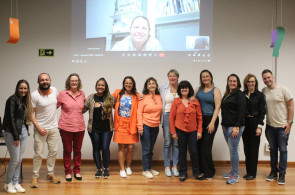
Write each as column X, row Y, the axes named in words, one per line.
column 46, row 52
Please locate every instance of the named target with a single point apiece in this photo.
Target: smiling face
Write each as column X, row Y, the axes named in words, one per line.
column 128, row 85
column 74, row 82
column 206, row 78
column 140, row 31
column 184, row 91
column 152, row 86
column 100, row 88
column 268, row 79
column 44, row 82
column 22, row 90
column 251, row 84
column 232, row 83
column 173, row 79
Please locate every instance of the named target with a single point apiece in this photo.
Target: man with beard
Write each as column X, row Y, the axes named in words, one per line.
column 44, row 101
column 279, row 119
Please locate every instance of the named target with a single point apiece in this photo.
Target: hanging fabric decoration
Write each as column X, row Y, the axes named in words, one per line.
column 14, row 26
column 280, row 37
column 14, row 30
column 274, row 34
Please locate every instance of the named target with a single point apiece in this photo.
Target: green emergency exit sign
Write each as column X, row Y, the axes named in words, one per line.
column 46, row 52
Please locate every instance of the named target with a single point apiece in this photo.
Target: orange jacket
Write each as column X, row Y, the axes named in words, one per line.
column 132, row 121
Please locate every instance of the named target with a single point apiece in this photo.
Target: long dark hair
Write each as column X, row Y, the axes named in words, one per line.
column 108, row 101
column 201, row 83
column 145, row 90
column 26, row 100
column 227, row 91
column 133, row 90
column 185, row 84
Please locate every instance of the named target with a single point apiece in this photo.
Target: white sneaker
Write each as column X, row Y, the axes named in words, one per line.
column 123, row 173
column 19, row 188
column 128, row 171
column 147, row 174
column 9, row 188
column 154, row 172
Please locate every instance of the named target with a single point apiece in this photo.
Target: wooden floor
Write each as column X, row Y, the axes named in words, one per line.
column 137, row 184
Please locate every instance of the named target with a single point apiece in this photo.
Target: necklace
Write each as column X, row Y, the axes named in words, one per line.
column 174, row 95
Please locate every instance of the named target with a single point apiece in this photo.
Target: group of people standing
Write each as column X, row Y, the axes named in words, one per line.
column 189, row 119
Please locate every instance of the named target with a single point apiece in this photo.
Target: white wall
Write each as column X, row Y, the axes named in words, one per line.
column 241, row 45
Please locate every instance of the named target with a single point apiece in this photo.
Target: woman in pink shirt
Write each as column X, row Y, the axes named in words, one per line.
column 148, row 119
column 71, row 124
column 186, row 127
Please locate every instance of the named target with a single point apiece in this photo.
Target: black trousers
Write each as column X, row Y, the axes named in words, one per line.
column 187, row 141
column 251, row 145
column 205, row 148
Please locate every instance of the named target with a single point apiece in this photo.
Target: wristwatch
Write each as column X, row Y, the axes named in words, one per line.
column 291, row 122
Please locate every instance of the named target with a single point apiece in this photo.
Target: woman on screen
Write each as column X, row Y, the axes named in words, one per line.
column 186, row 128
column 18, row 114
column 71, row 124
column 100, row 125
column 255, row 112
column 139, row 38
column 149, row 117
column 209, row 97
column 168, row 93
column 233, row 111
column 125, row 121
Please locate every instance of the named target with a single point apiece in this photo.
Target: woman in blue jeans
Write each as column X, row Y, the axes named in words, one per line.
column 100, row 125
column 148, row 119
column 233, row 112
column 18, row 113
column 168, row 93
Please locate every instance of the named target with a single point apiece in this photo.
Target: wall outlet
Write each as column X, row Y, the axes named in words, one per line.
column 267, row 148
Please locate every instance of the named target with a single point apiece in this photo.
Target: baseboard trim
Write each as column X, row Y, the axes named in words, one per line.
column 155, row 162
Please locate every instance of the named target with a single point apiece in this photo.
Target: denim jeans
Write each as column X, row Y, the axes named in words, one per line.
column 168, row 142
column 101, row 145
column 187, row 140
column 16, row 155
column 277, row 140
column 148, row 140
column 233, row 144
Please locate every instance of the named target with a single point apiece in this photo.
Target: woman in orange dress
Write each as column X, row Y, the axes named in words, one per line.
column 125, row 121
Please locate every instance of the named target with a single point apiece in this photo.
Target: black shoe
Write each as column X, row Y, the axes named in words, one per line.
column 249, row 177
column 106, row 173
column 78, row 178
column 281, row 180
column 182, row 178
column 245, row 176
column 272, row 176
column 200, row 177
column 98, row 173
column 69, row 179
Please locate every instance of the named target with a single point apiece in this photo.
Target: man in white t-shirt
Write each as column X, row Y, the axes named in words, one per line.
column 44, row 101
column 279, row 119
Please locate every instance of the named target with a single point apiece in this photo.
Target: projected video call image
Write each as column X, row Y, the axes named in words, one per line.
column 142, row 25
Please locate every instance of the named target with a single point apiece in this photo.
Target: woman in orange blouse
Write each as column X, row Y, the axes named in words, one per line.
column 148, row 120
column 186, row 127
column 125, row 121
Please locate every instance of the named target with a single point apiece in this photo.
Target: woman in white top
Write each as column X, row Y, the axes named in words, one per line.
column 168, row 92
